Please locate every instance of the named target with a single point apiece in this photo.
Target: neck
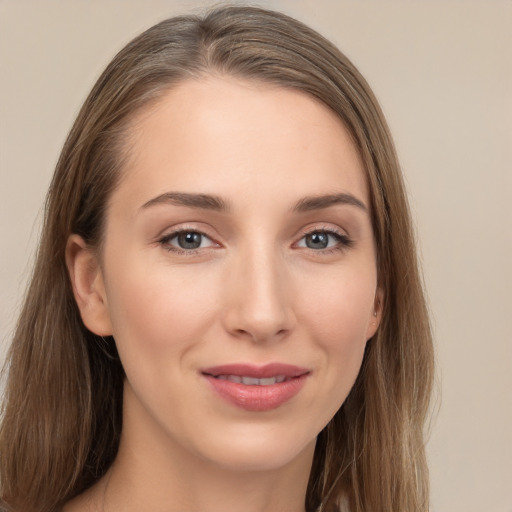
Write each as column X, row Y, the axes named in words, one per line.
column 154, row 472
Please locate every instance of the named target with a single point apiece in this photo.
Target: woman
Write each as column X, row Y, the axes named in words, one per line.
column 226, row 311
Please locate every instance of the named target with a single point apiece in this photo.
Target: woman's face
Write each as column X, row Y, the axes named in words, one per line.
column 238, row 273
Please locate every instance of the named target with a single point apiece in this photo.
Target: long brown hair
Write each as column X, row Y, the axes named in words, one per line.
column 62, row 413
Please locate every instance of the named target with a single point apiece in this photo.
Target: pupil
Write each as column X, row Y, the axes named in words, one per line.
column 317, row 241
column 189, row 240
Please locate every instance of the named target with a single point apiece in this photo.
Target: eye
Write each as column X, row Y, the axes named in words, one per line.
column 324, row 239
column 186, row 240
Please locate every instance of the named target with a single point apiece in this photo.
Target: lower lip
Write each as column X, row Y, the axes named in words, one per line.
column 257, row 398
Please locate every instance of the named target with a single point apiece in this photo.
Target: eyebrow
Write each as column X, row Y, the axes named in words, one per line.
column 319, row 202
column 216, row 203
column 203, row 201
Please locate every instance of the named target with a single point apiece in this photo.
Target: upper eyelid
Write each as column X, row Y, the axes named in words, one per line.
column 170, row 232
column 324, row 228
column 176, row 232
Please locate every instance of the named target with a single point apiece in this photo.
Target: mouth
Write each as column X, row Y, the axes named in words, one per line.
column 256, row 388
column 252, row 381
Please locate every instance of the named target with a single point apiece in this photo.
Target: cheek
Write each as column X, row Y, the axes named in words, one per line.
column 337, row 316
column 340, row 306
column 157, row 311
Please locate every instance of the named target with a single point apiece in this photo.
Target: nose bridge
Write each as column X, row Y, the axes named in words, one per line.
column 259, row 305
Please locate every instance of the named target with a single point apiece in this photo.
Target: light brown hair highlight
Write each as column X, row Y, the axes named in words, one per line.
column 62, row 413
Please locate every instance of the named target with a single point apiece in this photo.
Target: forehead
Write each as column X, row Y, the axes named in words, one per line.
column 242, row 138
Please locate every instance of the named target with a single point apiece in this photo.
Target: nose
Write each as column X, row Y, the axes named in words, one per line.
column 258, row 297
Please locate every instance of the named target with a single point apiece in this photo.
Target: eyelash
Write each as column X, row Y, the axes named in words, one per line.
column 165, row 242
column 343, row 241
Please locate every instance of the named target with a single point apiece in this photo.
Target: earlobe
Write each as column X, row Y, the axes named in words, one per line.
column 88, row 287
column 376, row 314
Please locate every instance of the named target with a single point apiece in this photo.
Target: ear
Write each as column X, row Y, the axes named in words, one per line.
column 376, row 314
column 88, row 286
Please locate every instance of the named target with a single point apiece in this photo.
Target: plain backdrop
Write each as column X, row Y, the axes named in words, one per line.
column 443, row 73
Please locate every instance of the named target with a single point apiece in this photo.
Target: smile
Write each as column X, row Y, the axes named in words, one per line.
column 253, row 381
column 256, row 388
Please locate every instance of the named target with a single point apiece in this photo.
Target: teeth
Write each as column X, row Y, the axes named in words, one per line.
column 250, row 381
column 253, row 381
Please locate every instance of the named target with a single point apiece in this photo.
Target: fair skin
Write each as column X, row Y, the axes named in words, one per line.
column 261, row 273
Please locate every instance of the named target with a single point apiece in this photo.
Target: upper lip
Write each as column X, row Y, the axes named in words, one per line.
column 258, row 372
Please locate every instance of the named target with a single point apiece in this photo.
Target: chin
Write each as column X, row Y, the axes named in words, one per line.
column 256, row 450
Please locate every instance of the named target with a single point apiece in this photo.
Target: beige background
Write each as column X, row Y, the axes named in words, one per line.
column 443, row 72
